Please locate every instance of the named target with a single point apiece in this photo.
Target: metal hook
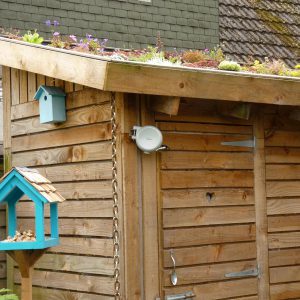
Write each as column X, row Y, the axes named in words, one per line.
column 174, row 277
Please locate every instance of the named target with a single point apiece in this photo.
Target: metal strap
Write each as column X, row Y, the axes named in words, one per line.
column 116, row 232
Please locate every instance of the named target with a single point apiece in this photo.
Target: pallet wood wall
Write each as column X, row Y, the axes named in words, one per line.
column 209, row 236
column 76, row 157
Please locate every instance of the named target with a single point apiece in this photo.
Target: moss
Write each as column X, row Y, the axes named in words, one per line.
column 273, row 21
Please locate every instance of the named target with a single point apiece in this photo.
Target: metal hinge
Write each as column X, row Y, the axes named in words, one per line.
column 247, row 143
column 246, row 273
column 185, row 296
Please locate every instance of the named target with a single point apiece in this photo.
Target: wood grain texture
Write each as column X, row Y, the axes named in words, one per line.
column 206, row 160
column 65, row 66
column 219, row 290
column 208, row 216
column 197, row 179
column 199, row 197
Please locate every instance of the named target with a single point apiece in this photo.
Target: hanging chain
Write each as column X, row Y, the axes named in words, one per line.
column 116, row 233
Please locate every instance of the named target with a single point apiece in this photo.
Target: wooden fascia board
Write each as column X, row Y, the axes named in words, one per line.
column 216, row 85
column 130, row 77
column 53, row 63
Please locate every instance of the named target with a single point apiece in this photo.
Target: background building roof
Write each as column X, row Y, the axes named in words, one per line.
column 261, row 28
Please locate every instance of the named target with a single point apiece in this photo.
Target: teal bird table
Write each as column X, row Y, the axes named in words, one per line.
column 15, row 184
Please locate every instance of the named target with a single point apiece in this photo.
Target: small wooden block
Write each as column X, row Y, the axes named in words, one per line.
column 166, row 105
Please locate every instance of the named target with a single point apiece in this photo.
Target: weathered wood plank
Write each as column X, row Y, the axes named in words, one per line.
column 204, row 128
column 40, row 80
column 260, row 197
column 15, row 86
column 31, row 86
column 283, row 206
column 282, row 155
column 206, row 160
column 283, row 172
column 53, row 294
column 77, row 172
column 81, row 116
column 76, row 227
column 23, row 87
column 150, row 191
column 76, row 153
column 84, row 283
column 283, row 188
column 72, row 209
column 284, row 223
column 134, row 78
column 198, row 179
column 207, row 273
column 284, row 139
column 63, row 137
column 183, row 217
column 284, row 274
column 284, row 257
column 211, row 254
column 208, row 235
column 201, row 197
column 66, row 66
column 84, row 246
column 285, row 291
column 219, row 290
column 166, row 105
column 284, row 240
column 194, row 142
column 75, row 263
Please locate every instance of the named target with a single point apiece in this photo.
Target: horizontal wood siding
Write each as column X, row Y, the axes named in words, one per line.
column 76, row 157
column 283, row 192
column 207, row 203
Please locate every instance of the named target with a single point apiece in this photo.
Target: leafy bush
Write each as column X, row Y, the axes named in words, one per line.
column 6, row 294
column 32, row 37
column 229, row 66
column 191, row 56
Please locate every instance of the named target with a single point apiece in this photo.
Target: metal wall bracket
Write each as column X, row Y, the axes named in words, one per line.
column 246, row 273
column 247, row 143
column 184, row 296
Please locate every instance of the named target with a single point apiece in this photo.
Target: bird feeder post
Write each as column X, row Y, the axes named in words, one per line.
column 26, row 260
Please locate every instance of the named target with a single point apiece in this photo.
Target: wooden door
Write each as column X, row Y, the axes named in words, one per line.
column 207, row 205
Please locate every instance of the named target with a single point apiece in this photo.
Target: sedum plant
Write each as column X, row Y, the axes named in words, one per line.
column 229, row 66
column 32, row 37
column 6, row 294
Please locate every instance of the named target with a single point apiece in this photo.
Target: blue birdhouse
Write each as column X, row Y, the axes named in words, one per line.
column 23, row 181
column 52, row 102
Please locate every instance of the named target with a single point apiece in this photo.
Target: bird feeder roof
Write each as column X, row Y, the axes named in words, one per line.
column 50, row 90
column 41, row 184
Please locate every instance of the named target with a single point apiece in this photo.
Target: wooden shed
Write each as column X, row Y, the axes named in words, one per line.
column 223, row 200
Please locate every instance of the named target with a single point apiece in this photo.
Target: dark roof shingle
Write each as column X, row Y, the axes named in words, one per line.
column 261, row 28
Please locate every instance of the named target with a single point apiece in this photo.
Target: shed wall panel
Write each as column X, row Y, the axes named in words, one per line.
column 76, row 157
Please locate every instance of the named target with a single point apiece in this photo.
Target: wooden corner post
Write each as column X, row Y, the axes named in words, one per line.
column 261, row 208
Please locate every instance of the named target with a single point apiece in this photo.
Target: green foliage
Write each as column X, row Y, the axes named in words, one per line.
column 32, row 37
column 217, row 54
column 6, row 294
column 150, row 54
column 297, row 67
column 229, row 66
column 273, row 67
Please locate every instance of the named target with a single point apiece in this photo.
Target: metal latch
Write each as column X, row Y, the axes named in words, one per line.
column 247, row 143
column 245, row 273
column 185, row 296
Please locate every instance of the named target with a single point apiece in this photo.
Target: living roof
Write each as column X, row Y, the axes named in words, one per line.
column 261, row 28
column 134, row 77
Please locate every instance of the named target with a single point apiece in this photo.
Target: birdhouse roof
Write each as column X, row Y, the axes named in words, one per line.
column 50, row 90
column 41, row 184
